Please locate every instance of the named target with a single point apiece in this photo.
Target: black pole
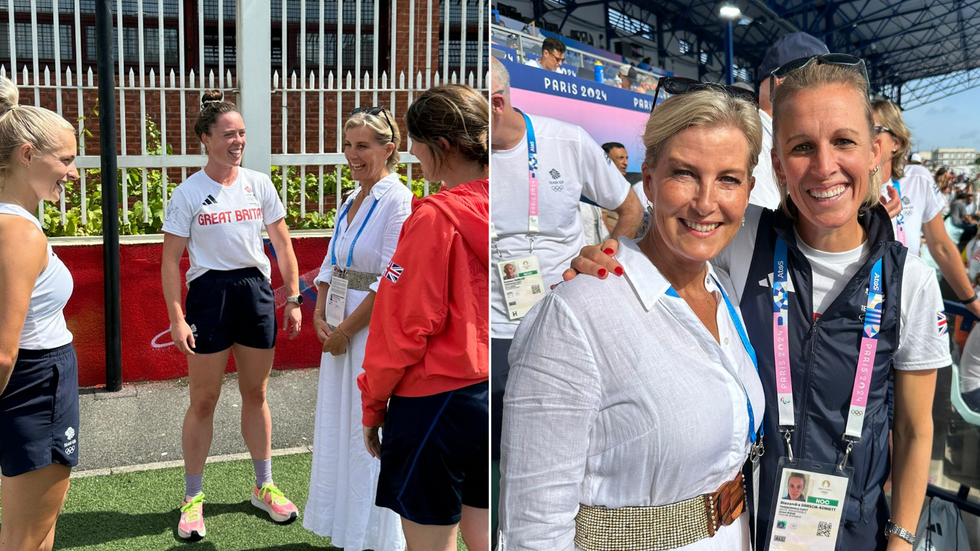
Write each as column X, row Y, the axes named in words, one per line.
column 110, row 196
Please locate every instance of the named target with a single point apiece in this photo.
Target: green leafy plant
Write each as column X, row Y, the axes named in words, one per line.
column 152, row 209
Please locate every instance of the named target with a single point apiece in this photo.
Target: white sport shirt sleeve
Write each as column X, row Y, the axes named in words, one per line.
column 179, row 217
column 272, row 209
column 736, row 259
column 935, row 204
column 923, row 343
column 602, row 182
column 641, row 194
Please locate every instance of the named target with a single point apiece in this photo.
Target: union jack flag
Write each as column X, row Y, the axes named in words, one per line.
column 393, row 272
column 941, row 320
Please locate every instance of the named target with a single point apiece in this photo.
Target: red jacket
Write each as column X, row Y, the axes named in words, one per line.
column 430, row 327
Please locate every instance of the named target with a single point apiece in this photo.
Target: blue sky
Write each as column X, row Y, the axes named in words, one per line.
column 953, row 121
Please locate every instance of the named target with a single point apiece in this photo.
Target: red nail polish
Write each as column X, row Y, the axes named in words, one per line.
column 602, row 272
column 608, row 251
column 619, row 270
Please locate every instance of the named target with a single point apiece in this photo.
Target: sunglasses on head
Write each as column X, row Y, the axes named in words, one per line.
column 843, row 60
column 681, row 85
column 375, row 111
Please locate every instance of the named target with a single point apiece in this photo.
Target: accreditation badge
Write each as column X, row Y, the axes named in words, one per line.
column 808, row 507
column 523, row 284
column 336, row 300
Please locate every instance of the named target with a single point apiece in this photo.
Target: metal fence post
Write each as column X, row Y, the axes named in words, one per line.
column 110, row 199
column 254, row 39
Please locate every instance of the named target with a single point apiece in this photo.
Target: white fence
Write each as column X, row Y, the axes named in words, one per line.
column 295, row 67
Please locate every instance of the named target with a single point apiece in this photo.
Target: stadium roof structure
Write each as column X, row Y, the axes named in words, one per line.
column 917, row 51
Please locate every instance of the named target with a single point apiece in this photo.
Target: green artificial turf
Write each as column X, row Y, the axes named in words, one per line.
column 139, row 511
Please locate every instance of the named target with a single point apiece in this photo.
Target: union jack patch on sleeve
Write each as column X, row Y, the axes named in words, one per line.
column 941, row 321
column 393, row 272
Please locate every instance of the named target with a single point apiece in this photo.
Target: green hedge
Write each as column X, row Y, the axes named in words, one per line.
column 73, row 225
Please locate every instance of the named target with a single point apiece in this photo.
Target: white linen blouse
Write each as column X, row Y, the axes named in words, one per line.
column 619, row 396
column 378, row 239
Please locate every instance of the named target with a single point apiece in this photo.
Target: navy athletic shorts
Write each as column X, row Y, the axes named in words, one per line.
column 236, row 306
column 434, row 455
column 39, row 411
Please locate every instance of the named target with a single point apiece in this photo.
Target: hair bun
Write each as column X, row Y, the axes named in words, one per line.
column 211, row 96
column 9, row 95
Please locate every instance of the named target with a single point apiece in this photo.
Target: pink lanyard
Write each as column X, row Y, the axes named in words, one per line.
column 866, row 354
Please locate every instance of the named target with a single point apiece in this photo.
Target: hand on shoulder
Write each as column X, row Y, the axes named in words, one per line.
column 595, row 261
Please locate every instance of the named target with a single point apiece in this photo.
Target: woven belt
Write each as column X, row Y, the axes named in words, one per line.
column 356, row 281
column 661, row 527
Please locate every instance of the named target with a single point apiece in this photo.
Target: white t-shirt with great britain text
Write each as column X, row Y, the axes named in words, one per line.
column 223, row 224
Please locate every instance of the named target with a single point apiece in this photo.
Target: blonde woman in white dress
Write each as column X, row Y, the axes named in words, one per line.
column 344, row 477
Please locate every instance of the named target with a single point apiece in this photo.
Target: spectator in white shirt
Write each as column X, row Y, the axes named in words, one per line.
column 552, row 55
column 970, row 371
column 922, row 204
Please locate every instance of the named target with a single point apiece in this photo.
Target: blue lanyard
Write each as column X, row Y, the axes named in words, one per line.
column 532, row 169
column 743, row 336
column 350, row 255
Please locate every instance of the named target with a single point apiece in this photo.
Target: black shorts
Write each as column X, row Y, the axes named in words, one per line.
column 434, row 455
column 224, row 308
column 39, row 411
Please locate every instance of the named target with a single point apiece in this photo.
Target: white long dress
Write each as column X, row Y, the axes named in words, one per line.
column 344, row 478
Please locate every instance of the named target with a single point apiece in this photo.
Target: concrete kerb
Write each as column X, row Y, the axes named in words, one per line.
column 180, row 463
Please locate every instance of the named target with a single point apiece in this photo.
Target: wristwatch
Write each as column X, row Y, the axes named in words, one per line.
column 892, row 528
column 298, row 299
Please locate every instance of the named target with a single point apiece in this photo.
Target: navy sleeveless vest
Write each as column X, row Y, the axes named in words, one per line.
column 823, row 357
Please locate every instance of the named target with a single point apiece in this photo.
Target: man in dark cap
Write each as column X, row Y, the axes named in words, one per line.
column 788, row 48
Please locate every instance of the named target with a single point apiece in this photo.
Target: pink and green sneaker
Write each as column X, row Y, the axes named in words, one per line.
column 191, row 525
column 270, row 499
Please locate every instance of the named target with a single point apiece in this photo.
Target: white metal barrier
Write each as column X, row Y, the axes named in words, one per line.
column 295, row 67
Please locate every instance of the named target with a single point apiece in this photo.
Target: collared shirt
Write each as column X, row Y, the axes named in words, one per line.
column 377, row 242
column 619, row 396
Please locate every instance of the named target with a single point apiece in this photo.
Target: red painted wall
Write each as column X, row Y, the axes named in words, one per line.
column 147, row 350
